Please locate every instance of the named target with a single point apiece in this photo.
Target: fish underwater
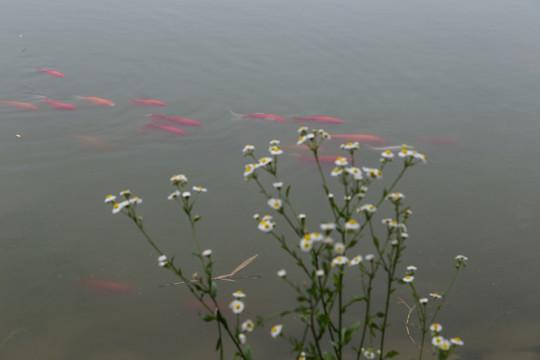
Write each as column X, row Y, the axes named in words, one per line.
column 261, row 116
column 51, row 72
column 96, row 100
column 319, row 119
column 147, row 102
column 105, row 285
column 20, row 104
column 181, row 121
column 58, row 105
column 357, row 137
column 165, row 128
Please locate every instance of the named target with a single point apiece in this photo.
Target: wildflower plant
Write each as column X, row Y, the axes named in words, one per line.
column 325, row 262
column 352, row 246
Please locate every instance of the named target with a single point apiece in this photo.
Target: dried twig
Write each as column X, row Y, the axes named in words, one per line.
column 227, row 277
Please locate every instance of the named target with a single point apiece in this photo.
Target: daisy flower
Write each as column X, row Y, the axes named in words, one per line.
column 162, row 260
column 110, row 198
column 355, row 172
column 408, row 278
column 207, row 253
column 445, row 345
column 340, row 260
column 174, row 195
column 328, row 226
column 242, row 338
column 368, row 208
column 119, row 206
column 125, row 193
column 355, row 260
column 248, row 325
column 315, row 236
column 275, row 203
column 265, row 161
column 412, row 268
column 305, row 244
column 436, row 327
column 435, row 295
column 275, row 150
column 350, row 146
column 248, row 149
column 352, row 225
column 239, row 294
column 199, row 189
column 278, row 185
column 372, row 172
column 341, row 161
column 249, row 169
column 336, row 172
column 423, row 300
column 369, row 353
column 274, row 142
column 276, row 330
column 266, row 226
column 387, row 155
column 282, row 273
column 237, row 306
column 179, row 179
column 437, row 341
column 135, row 200
column 339, row 248
column 456, row 341
column 319, row 273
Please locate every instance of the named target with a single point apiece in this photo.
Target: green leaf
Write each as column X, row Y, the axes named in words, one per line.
column 207, row 317
column 287, row 191
column 391, row 354
column 218, row 343
column 376, row 241
column 380, row 314
column 347, row 333
column 328, row 356
column 247, row 353
column 213, row 289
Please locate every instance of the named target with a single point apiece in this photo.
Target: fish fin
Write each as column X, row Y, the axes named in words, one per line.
column 236, row 116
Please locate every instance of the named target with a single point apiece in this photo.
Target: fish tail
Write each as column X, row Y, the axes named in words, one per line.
column 236, row 116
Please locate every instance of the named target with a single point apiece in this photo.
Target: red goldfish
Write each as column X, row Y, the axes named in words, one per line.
column 51, row 72
column 264, row 116
column 178, row 120
column 20, row 104
column 96, row 100
column 357, row 137
column 105, row 285
column 58, row 105
column 147, row 102
column 166, row 128
column 319, row 119
column 441, row 140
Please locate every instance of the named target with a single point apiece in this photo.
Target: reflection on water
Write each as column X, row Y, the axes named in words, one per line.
column 448, row 78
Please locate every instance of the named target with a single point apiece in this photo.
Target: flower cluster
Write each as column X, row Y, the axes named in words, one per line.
column 444, row 346
column 126, row 206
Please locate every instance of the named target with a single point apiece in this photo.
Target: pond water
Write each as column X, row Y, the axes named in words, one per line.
column 468, row 72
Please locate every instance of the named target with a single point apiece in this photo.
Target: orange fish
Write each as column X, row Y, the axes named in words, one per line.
column 166, row 128
column 96, row 100
column 320, row 119
column 357, row 137
column 20, row 104
column 147, row 102
column 58, row 105
column 105, row 285
column 264, row 116
column 181, row 121
column 51, row 72
column 90, row 141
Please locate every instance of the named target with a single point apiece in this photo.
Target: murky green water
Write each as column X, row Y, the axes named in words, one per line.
column 404, row 71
